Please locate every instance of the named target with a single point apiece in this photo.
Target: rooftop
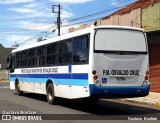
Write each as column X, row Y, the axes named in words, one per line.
column 138, row 4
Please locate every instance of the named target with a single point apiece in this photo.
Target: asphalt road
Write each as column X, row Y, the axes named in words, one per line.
column 11, row 103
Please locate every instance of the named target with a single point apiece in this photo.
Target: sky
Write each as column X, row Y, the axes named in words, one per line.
column 23, row 21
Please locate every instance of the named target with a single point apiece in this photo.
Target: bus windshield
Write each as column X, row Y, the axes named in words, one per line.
column 120, row 40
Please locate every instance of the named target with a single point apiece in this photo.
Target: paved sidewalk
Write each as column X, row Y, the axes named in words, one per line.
column 152, row 99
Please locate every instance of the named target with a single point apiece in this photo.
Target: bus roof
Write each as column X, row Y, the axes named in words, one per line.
column 73, row 34
column 120, row 27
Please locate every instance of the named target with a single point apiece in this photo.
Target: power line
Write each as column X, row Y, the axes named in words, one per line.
column 94, row 18
column 94, row 14
column 35, row 36
column 81, row 22
column 91, row 15
column 79, row 18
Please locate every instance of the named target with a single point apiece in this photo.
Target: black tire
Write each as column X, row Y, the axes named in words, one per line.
column 50, row 94
column 17, row 88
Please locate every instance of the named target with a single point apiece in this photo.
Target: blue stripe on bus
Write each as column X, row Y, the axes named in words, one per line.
column 75, row 82
column 55, row 76
column 61, row 79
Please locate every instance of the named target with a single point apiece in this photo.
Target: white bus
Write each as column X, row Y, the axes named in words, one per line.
column 93, row 63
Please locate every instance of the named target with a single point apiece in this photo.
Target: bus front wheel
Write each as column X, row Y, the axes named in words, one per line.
column 18, row 91
column 50, row 94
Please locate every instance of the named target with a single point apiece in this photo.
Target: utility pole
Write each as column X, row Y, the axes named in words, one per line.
column 58, row 18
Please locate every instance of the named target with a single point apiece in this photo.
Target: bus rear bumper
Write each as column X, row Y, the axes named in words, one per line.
column 119, row 92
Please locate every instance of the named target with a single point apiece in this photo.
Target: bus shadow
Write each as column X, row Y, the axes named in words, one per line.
column 39, row 97
column 103, row 107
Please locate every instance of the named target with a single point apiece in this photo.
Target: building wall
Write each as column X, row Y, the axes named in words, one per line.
column 129, row 19
column 154, row 59
column 4, row 52
column 151, row 24
column 154, row 67
column 79, row 28
column 4, row 75
column 151, row 18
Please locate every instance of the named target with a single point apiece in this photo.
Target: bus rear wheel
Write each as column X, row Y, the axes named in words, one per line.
column 17, row 88
column 50, row 94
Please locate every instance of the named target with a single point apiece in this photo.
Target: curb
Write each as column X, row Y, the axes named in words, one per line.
column 4, row 81
column 157, row 104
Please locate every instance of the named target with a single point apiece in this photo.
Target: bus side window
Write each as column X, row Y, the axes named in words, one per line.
column 24, row 57
column 77, row 43
column 18, row 59
column 52, row 53
column 32, row 57
column 81, row 50
column 41, row 55
column 85, row 42
column 65, row 52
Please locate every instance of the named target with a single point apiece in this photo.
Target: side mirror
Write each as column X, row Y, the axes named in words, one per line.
column 8, row 63
column 12, row 70
column 7, row 59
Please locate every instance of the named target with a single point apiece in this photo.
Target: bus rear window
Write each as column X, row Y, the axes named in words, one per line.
column 120, row 40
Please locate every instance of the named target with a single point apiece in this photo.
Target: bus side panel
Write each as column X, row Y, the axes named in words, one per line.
column 40, row 88
column 27, row 86
column 80, row 91
column 63, row 91
column 12, row 81
column 12, row 84
column 69, row 81
column 74, row 87
column 80, row 86
column 71, row 92
column 33, row 87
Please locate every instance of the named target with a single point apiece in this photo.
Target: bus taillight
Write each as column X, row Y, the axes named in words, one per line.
column 95, row 77
column 94, row 72
column 146, row 76
column 147, row 73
